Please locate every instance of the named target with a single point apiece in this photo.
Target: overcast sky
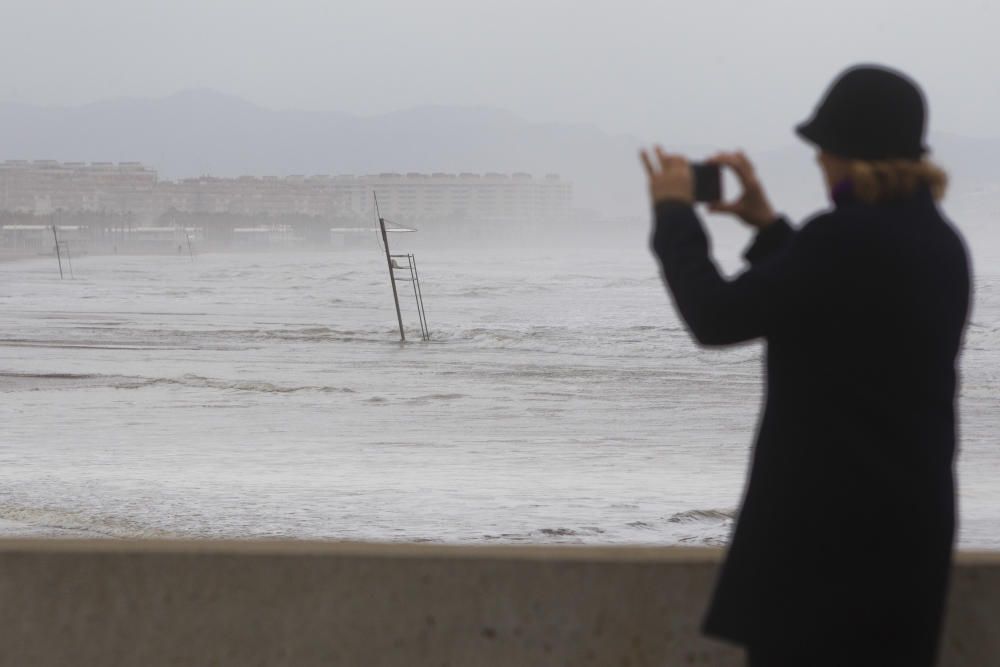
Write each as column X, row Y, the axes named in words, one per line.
column 718, row 72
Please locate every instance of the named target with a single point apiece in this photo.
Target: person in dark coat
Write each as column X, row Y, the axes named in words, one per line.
column 842, row 547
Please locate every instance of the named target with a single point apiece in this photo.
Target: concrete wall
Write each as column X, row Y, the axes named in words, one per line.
column 267, row 603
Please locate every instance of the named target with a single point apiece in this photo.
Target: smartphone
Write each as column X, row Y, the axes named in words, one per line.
column 707, row 181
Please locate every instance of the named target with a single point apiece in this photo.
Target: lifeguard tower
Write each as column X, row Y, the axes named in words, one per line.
column 400, row 272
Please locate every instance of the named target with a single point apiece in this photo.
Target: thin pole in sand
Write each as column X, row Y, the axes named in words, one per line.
column 69, row 260
column 55, row 236
column 392, row 275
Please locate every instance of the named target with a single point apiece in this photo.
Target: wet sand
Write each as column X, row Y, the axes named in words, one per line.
column 19, row 529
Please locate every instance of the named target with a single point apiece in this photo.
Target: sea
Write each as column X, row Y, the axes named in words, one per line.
column 558, row 400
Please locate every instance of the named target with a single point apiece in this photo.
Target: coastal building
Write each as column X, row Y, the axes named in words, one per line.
column 42, row 187
column 130, row 195
column 485, row 197
column 35, row 239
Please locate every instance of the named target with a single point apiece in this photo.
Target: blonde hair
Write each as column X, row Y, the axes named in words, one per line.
column 879, row 181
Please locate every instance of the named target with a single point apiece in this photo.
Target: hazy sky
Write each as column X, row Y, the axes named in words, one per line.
column 719, row 72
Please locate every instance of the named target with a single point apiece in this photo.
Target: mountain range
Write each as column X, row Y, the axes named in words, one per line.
column 199, row 132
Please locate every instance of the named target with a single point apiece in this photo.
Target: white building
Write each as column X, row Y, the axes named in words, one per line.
column 451, row 205
column 470, row 197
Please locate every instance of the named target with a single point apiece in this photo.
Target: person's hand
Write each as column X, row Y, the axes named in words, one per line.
column 669, row 177
column 753, row 206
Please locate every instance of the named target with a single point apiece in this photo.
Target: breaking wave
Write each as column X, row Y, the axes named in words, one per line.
column 692, row 516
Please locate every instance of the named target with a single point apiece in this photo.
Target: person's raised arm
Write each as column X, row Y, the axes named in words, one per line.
column 716, row 310
column 753, row 208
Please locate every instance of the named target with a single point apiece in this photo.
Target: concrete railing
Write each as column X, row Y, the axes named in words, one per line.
column 153, row 603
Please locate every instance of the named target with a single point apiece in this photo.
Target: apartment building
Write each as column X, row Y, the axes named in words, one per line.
column 42, row 187
column 456, row 205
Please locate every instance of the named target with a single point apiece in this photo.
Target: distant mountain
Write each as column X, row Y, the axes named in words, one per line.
column 198, row 132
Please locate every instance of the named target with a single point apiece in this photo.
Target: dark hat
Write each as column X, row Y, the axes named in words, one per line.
column 869, row 113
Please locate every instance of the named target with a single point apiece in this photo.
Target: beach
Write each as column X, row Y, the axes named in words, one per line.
column 267, row 396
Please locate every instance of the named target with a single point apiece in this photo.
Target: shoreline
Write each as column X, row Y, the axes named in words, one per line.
column 13, row 529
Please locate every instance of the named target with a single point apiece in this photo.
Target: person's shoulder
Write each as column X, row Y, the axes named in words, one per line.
column 844, row 217
column 844, row 235
column 835, row 223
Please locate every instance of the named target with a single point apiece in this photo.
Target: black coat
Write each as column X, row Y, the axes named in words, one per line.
column 845, row 533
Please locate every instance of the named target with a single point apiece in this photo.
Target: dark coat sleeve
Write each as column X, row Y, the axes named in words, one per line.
column 768, row 241
column 788, row 270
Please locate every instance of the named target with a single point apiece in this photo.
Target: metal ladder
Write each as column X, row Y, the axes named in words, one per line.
column 414, row 279
column 62, row 247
